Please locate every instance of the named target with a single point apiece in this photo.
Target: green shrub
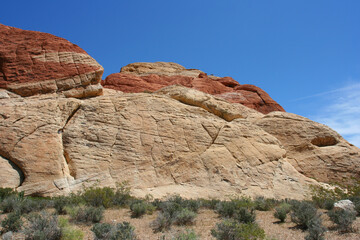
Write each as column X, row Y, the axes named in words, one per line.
column 169, row 207
column 99, row 197
column 138, row 209
column 264, row 204
column 12, row 222
column 86, row 214
column 209, row 203
column 244, row 215
column 121, row 231
column 68, row 232
column 6, row 192
column 303, row 213
column 343, row 219
column 42, row 226
column 162, row 222
column 229, row 208
column 232, row 230
column 122, row 195
column 184, row 217
column 316, row 230
column 60, row 203
column 10, row 204
column 325, row 198
column 356, row 201
column 282, row 211
column 186, row 235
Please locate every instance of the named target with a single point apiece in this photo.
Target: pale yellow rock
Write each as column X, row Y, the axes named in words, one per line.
column 176, row 140
column 11, row 176
column 159, row 68
column 312, row 148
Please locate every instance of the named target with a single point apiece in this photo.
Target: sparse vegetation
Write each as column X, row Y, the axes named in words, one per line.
column 12, row 222
column 264, row 204
column 302, row 213
column 86, row 214
column 121, row 231
column 282, row 211
column 343, row 219
column 184, row 217
column 230, row 229
column 42, row 226
column 69, row 232
column 316, row 230
column 238, row 215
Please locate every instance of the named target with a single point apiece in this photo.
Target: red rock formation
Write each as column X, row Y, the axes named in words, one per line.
column 34, row 62
column 226, row 88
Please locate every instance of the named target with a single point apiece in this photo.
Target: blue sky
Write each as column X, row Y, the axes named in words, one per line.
column 305, row 54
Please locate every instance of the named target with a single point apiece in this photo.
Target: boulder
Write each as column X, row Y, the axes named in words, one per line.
column 38, row 63
column 142, row 77
column 346, row 205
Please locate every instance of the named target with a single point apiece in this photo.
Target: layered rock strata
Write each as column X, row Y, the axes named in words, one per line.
column 140, row 77
column 38, row 63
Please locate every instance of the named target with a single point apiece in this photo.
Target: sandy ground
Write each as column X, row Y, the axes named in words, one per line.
column 207, row 219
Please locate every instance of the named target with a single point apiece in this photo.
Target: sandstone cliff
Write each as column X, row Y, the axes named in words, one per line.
column 140, row 77
column 174, row 140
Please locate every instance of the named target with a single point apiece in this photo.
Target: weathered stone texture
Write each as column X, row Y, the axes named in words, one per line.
column 37, row 63
column 142, row 77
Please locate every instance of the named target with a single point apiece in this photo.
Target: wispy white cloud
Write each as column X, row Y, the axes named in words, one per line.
column 342, row 111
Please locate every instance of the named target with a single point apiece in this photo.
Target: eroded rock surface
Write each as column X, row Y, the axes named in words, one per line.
column 159, row 144
column 177, row 140
column 142, row 77
column 37, row 63
column 312, row 148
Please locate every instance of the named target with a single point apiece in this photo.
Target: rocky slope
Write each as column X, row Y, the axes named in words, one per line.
column 140, row 77
column 174, row 140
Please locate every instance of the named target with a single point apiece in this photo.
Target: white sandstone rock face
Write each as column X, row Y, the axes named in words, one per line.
column 346, row 205
column 312, row 148
column 177, row 140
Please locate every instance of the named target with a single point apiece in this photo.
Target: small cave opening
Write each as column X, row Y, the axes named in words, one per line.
column 324, row 141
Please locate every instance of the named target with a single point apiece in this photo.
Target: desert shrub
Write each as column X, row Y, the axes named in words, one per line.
column 121, row 231
column 22, row 205
column 232, row 230
column 99, row 197
column 6, row 192
column 122, row 195
column 162, row 222
column 264, row 204
column 171, row 208
column 185, row 235
column 60, row 203
column 343, row 219
column 356, row 202
column 282, row 211
column 245, row 215
column 229, row 208
column 325, row 198
column 12, row 222
column 42, row 226
column 86, row 214
column 68, row 232
column 209, row 203
column 138, row 209
column 10, row 204
column 302, row 213
column 184, row 217
column 316, row 230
